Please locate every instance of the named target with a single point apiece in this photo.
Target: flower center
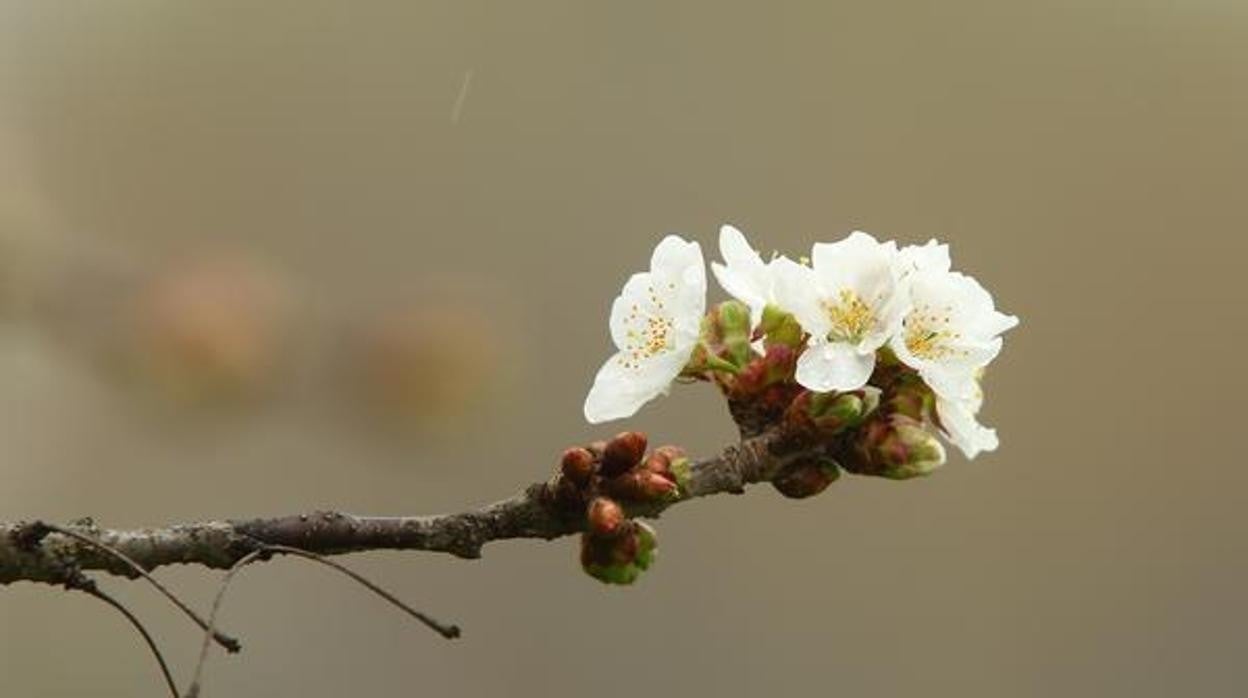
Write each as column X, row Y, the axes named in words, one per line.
column 851, row 317
column 649, row 334
column 927, row 334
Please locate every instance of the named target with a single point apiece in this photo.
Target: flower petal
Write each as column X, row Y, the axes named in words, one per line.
column 745, row 276
column 859, row 263
column 674, row 255
column 964, row 431
column 932, row 256
column 621, row 388
column 736, row 250
column 679, row 278
column 829, row 366
column 797, row 292
column 952, row 383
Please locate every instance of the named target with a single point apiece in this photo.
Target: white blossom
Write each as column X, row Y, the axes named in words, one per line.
column 848, row 302
column 950, row 330
column 655, row 324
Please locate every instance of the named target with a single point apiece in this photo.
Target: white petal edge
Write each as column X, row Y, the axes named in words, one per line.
column 829, row 366
column 619, row 392
column 963, row 429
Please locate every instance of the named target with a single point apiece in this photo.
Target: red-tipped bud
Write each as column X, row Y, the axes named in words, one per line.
column 578, row 465
column 894, row 446
column 658, row 462
column 605, row 517
column 623, row 452
column 662, row 459
column 642, row 486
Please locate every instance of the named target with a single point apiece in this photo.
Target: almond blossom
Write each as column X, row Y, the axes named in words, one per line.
column 655, row 325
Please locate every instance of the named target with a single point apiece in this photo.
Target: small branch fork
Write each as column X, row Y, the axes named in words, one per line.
column 53, row 554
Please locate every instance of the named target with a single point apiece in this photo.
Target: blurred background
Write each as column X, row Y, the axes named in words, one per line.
column 261, row 258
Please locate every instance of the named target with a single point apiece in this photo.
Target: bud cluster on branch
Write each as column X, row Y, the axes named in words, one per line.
column 593, row 481
column 864, row 352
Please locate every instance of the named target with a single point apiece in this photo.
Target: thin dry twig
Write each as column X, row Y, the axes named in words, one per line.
column 88, row 586
column 193, row 690
column 230, row 644
column 449, row 632
column 263, row 553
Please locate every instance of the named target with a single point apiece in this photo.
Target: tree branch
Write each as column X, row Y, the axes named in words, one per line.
column 33, row 552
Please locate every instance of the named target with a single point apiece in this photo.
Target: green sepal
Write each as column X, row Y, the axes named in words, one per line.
column 734, row 331
column 682, row 470
column 780, row 327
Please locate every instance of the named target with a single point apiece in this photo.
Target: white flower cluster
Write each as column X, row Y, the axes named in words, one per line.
column 854, row 298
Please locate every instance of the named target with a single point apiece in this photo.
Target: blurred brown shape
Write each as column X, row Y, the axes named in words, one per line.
column 418, row 365
column 211, row 330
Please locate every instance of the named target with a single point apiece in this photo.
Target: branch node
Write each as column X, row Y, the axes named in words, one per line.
column 229, row 643
column 28, row 536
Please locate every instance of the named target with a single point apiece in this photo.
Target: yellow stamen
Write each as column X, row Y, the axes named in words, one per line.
column 850, row 316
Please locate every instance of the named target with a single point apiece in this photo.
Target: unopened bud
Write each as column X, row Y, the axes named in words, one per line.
column 578, row 465
column 923, row 452
column 623, row 549
column 597, row 561
column 895, row 446
column 834, row 411
column 623, row 452
column 657, row 462
column 911, row 398
column 621, row 559
column 660, row 461
column 733, row 319
column 642, row 486
column 605, row 517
